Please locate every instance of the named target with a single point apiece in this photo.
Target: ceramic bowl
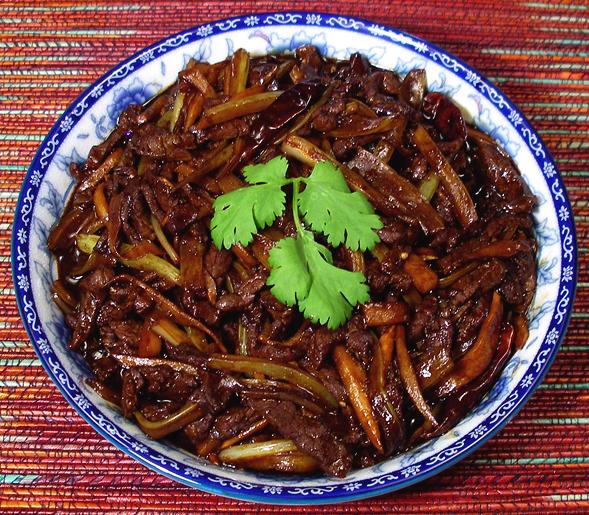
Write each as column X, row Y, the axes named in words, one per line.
column 90, row 118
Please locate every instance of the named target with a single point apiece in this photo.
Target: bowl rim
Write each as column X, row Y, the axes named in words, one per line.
column 304, row 495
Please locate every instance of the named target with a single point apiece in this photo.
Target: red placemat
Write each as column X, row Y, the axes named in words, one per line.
column 537, row 51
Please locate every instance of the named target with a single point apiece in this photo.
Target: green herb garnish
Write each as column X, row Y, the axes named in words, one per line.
column 302, row 269
column 330, row 208
column 240, row 213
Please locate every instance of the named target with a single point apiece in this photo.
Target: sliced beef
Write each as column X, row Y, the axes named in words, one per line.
column 434, row 361
column 120, row 336
column 425, row 314
column 165, row 383
column 485, row 278
column 213, row 392
column 469, row 325
column 200, row 309
column 128, row 120
column 199, row 429
column 233, row 421
column 520, row 282
column 360, row 343
column 278, row 352
column 188, row 354
column 326, row 117
column 156, row 142
column 158, row 410
column 388, row 276
column 311, row 435
column 319, row 346
column 501, row 175
column 97, row 280
column 222, row 131
column 217, row 262
column 395, row 232
column 86, row 317
column 446, row 116
column 243, row 296
column 413, row 88
column 133, row 383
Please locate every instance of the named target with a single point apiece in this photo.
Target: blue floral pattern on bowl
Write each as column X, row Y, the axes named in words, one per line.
column 90, row 118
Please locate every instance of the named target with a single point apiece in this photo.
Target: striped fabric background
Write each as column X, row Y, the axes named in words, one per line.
column 537, row 51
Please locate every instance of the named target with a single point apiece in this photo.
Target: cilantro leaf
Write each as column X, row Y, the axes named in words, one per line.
column 289, row 278
column 328, row 206
column 334, row 291
column 240, row 213
column 302, row 272
column 272, row 172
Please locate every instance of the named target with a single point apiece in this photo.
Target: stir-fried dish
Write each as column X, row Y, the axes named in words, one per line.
column 295, row 264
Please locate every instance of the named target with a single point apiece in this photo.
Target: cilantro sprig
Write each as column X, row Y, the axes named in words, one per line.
column 330, row 208
column 240, row 213
column 302, row 269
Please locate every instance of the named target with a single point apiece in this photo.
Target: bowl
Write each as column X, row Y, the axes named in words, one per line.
column 92, row 115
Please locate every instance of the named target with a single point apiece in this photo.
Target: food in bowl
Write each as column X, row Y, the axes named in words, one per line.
column 290, row 263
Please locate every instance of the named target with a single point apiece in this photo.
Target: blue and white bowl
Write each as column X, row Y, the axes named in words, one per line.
column 90, row 118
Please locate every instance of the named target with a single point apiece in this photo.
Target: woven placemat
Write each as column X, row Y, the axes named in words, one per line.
column 537, row 51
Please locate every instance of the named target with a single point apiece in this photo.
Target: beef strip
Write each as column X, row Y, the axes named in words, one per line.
column 156, row 142
column 233, row 421
column 311, row 435
column 480, row 281
column 199, row 429
column 133, row 383
column 502, row 178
